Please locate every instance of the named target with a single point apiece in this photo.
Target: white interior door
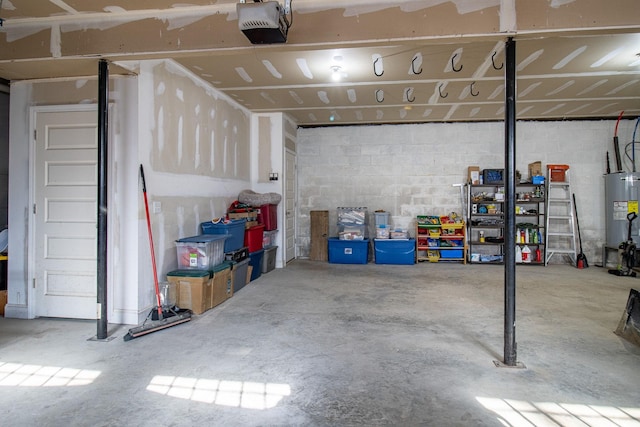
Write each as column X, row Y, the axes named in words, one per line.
column 65, row 210
column 290, row 206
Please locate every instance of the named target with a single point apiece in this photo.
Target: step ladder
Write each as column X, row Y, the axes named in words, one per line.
column 560, row 229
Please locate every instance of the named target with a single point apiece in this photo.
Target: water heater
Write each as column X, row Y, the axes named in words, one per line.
column 621, row 192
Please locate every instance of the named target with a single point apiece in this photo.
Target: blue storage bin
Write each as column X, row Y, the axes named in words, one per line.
column 234, row 229
column 451, row 253
column 389, row 251
column 348, row 251
column 255, row 261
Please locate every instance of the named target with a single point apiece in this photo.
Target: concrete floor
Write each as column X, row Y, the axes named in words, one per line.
column 320, row 344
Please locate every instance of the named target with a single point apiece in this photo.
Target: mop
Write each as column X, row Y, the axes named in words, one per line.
column 158, row 318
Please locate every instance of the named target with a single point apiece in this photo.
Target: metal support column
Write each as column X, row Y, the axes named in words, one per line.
column 103, row 145
column 510, row 355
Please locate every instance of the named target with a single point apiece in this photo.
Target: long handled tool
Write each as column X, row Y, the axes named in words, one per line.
column 151, row 248
column 581, row 259
column 164, row 318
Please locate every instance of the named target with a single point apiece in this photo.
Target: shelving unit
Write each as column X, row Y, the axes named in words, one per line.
column 437, row 241
column 485, row 229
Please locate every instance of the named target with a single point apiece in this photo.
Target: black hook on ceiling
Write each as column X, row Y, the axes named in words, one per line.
column 406, row 94
column 453, row 67
column 377, row 98
column 374, row 67
column 413, row 66
column 440, row 92
column 493, row 62
column 471, row 90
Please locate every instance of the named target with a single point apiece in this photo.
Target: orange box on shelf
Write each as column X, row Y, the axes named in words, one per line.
column 558, row 172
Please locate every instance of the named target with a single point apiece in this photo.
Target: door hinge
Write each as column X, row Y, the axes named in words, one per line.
column 34, row 283
column 34, row 208
column 35, row 134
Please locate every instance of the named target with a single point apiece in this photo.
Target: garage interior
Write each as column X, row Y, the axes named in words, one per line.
column 352, row 110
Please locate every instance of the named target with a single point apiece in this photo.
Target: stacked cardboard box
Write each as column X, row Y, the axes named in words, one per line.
column 201, row 290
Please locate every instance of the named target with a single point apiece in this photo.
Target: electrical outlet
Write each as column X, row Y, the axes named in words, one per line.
column 273, row 176
column 157, row 207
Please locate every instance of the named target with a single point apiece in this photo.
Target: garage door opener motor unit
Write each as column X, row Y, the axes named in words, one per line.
column 264, row 22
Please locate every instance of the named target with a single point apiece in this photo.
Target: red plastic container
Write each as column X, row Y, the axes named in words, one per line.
column 253, row 237
column 558, row 172
column 268, row 216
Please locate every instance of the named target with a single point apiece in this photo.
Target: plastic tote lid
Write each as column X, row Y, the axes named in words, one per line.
column 222, row 266
column 189, row 273
column 203, row 238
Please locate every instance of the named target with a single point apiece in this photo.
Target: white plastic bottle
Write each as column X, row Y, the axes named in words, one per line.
column 526, row 254
column 518, row 254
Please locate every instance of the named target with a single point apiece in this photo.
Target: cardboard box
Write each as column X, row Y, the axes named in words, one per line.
column 473, row 175
column 249, row 273
column 193, row 289
column 222, row 284
column 3, row 301
column 535, row 169
column 249, row 216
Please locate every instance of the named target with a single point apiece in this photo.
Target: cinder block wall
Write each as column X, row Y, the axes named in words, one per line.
column 410, row 170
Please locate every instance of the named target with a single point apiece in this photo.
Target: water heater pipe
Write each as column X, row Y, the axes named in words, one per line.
column 633, row 144
column 616, row 146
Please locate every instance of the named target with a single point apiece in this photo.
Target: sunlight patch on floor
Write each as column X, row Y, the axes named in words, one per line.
column 242, row 394
column 519, row 413
column 18, row 374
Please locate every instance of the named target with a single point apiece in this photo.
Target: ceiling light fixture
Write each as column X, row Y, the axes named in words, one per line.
column 336, row 74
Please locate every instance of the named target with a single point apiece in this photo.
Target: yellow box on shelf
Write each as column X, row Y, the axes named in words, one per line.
column 453, row 226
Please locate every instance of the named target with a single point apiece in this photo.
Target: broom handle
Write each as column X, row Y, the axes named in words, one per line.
column 575, row 208
column 153, row 256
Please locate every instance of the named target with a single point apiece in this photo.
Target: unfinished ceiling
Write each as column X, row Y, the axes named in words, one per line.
column 398, row 61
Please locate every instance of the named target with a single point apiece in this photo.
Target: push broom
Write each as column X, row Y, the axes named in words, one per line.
column 165, row 319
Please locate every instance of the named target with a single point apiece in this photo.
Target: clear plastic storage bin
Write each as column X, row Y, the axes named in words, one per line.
column 201, row 252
